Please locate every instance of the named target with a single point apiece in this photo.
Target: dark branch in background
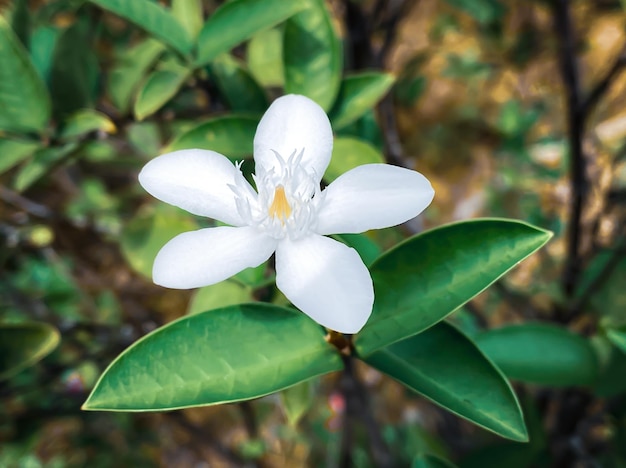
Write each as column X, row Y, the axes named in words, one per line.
column 575, row 124
column 603, row 85
column 357, row 407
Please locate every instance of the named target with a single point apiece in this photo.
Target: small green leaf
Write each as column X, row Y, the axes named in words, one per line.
column 131, row 67
column 349, row 153
column 230, row 135
column 85, row 121
column 24, row 344
column 44, row 161
column 189, row 14
column 220, row 356
column 150, row 230
column 12, row 152
column 238, row 20
column 157, row 90
column 265, row 57
column 430, row 461
column 541, row 353
column 443, row 365
column 297, row 400
column 312, row 55
column 618, row 338
column 152, row 17
column 358, row 94
column 24, row 100
column 241, row 91
column 427, row 277
column 219, row 295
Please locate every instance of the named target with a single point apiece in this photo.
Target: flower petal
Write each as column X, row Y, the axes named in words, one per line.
column 372, row 196
column 197, row 181
column 291, row 124
column 326, row 280
column 208, row 256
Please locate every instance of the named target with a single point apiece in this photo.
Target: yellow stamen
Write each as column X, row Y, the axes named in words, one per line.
column 280, row 206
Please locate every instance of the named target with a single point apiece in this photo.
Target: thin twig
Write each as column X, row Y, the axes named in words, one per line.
column 575, row 123
column 24, row 204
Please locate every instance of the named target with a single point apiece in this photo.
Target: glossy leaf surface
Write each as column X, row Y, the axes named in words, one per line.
column 23, row 344
column 152, row 17
column 238, row 20
column 312, row 55
column 12, row 152
column 358, row 94
column 541, row 353
column 444, row 366
column 24, row 100
column 85, row 121
column 231, row 354
column 230, row 135
column 427, row 277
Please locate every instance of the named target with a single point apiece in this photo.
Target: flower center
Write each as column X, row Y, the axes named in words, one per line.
column 280, row 206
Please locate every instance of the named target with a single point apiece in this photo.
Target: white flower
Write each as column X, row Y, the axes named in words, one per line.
column 287, row 214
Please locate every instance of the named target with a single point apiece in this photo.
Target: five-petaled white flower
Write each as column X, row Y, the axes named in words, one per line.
column 287, row 214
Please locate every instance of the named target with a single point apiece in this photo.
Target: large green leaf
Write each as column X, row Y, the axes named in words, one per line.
column 238, row 20
column 541, row 353
column 130, row 69
column 12, row 152
column 157, row 90
column 312, row 55
column 427, row 277
column 23, row 344
column 24, row 100
column 230, row 135
column 358, row 94
column 220, row 356
column 189, row 14
column 348, row 153
column 237, row 86
column 444, row 366
column 265, row 57
column 153, row 18
column 43, row 41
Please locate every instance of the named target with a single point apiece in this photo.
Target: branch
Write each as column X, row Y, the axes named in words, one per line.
column 575, row 124
column 602, row 86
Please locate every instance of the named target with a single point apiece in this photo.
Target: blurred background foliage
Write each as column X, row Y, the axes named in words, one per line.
column 511, row 109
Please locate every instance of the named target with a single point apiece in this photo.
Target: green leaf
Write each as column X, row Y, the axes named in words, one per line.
column 43, row 41
column 12, row 152
column 297, row 400
column 358, row 94
column 85, row 121
column 44, row 161
column 427, row 277
column 265, row 57
column 541, row 353
column 220, row 356
column 312, row 55
column 131, row 67
column 349, row 153
column 230, row 135
column 219, row 295
column 239, row 88
column 24, row 100
column 238, row 20
column 430, row 461
column 157, row 90
column 618, row 338
column 24, row 344
column 74, row 73
column 152, row 17
column 189, row 14
column 443, row 365
column 149, row 230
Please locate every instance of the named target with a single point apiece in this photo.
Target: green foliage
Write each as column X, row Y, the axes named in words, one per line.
column 238, row 20
column 444, row 366
column 424, row 279
column 231, row 354
column 24, row 344
column 349, row 153
column 430, row 461
column 312, row 55
column 24, row 100
column 237, row 86
column 158, row 88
